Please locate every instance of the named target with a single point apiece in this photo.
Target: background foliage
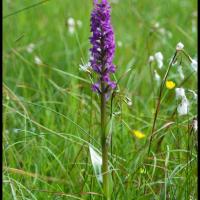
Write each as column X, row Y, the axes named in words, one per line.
column 50, row 114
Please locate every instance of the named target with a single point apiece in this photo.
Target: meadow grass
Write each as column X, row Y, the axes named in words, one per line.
column 51, row 116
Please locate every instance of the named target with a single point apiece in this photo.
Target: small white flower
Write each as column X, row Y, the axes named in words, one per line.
column 71, row 25
column 194, row 65
column 179, row 46
column 158, row 56
column 180, row 93
column 183, row 107
column 156, row 76
column 128, row 101
column 71, row 21
column 79, row 23
column 151, row 59
column 85, row 67
column 180, row 71
column 119, row 44
column 159, row 59
column 37, row 60
column 30, row 48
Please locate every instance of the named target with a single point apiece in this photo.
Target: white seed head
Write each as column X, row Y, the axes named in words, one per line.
column 128, row 101
column 158, row 56
column 159, row 59
column 151, row 59
column 180, row 93
column 37, row 60
column 71, row 21
column 30, row 48
column 194, row 65
column 195, row 124
column 183, row 107
column 179, row 46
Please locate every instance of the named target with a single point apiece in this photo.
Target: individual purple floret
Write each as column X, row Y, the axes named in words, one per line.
column 103, row 45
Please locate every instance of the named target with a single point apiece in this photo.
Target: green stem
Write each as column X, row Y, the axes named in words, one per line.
column 104, row 143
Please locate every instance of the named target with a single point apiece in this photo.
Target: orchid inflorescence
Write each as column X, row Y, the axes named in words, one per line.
column 103, row 46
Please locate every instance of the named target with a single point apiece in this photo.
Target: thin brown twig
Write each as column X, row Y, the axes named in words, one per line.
column 64, row 194
column 34, row 175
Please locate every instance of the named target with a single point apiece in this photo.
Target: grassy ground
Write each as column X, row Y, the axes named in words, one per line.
column 50, row 115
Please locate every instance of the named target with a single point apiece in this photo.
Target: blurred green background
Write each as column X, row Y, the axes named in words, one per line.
column 50, row 112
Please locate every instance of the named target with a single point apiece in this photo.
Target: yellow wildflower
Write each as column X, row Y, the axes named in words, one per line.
column 138, row 134
column 170, row 85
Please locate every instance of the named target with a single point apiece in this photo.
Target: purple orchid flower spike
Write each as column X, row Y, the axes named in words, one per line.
column 103, row 45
